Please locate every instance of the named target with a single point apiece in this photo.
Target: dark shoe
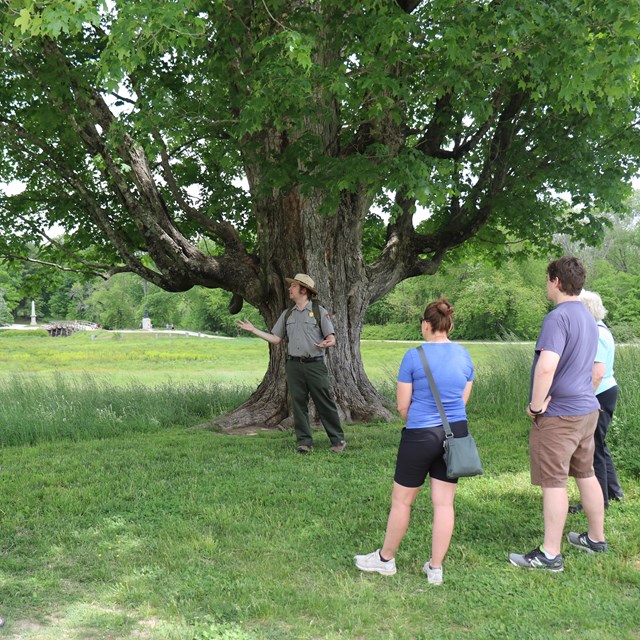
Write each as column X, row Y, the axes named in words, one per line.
column 339, row 447
column 536, row 560
column 584, row 542
column 575, row 508
column 618, row 498
column 304, row 448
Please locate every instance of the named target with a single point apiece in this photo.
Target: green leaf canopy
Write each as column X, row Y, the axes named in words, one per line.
column 135, row 125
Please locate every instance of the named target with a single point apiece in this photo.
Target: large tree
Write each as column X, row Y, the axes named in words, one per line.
column 232, row 143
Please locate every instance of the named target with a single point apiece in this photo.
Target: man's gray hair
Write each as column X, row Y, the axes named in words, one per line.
column 593, row 302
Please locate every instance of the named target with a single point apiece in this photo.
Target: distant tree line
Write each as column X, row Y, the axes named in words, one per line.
column 117, row 303
column 491, row 301
column 508, row 301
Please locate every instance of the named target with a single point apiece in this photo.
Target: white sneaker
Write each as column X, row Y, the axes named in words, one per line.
column 434, row 576
column 372, row 563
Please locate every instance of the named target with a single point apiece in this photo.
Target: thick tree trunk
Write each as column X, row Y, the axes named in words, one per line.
column 327, row 248
column 269, row 406
column 356, row 398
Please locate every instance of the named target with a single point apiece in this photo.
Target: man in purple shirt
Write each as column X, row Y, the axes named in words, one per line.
column 564, row 411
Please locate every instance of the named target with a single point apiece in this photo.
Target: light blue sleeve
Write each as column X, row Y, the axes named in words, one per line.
column 405, row 374
column 472, row 371
column 603, row 349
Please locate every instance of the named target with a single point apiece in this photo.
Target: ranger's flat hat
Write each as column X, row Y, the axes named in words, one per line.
column 305, row 281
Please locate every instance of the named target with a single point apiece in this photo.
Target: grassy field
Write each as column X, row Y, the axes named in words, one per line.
column 124, row 357
column 118, row 522
column 155, row 358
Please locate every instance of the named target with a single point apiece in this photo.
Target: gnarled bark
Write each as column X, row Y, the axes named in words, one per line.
column 327, row 248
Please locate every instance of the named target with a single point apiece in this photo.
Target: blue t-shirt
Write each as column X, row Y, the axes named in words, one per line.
column 605, row 354
column 571, row 332
column 452, row 368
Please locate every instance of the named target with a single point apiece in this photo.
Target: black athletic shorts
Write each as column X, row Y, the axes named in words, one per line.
column 420, row 453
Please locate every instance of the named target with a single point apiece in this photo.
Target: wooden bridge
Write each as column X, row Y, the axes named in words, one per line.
column 67, row 328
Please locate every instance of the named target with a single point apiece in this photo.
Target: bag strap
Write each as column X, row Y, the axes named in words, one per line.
column 435, row 392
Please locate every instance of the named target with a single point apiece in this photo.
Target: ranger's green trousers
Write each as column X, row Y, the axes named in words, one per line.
column 312, row 378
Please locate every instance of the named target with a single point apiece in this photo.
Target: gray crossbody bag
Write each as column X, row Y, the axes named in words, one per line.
column 460, row 454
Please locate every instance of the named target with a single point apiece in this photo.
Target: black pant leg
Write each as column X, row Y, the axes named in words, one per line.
column 602, row 462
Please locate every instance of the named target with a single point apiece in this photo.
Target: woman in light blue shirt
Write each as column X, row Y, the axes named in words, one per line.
column 606, row 390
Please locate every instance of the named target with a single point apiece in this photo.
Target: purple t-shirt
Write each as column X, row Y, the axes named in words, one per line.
column 571, row 332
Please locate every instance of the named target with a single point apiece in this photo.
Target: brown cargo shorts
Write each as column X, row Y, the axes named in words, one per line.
column 561, row 446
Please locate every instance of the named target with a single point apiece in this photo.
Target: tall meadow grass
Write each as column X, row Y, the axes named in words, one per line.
column 48, row 407
column 35, row 409
column 501, row 385
column 624, row 433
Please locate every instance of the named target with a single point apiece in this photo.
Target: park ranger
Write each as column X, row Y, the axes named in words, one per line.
column 309, row 331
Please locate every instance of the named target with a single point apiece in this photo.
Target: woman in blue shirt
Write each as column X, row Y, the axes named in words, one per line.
column 421, row 446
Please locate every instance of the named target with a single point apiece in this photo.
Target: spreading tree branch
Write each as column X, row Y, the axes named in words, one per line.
column 105, row 275
column 408, row 253
column 225, row 231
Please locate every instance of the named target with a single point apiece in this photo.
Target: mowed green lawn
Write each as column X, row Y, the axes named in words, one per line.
column 146, row 358
column 119, row 521
column 155, row 358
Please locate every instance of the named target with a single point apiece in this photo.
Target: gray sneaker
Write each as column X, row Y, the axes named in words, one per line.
column 584, row 542
column 434, row 576
column 371, row 563
column 536, row 559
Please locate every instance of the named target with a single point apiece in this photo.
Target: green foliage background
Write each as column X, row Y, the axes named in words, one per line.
column 504, row 300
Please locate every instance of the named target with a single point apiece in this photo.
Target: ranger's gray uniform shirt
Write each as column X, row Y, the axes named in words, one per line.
column 303, row 332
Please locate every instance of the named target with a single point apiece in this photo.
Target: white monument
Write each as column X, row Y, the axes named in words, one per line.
column 33, row 312
column 146, row 321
